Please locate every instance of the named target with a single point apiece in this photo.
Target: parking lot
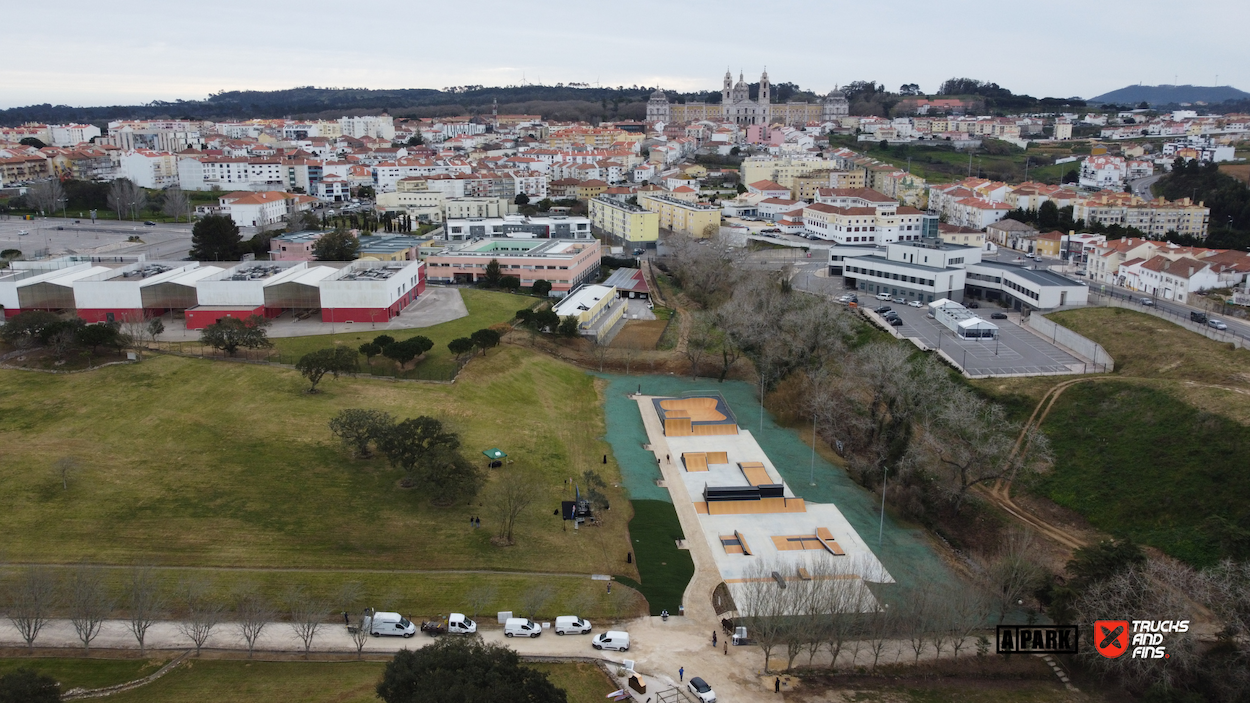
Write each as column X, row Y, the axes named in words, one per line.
column 1016, row 351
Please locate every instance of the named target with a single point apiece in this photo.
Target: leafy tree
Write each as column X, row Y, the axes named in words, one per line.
column 32, row 141
column 230, row 333
column 26, row 685
column 383, row 340
column 461, row 345
column 155, row 328
column 356, row 428
column 407, row 350
column 492, row 273
column 545, row 204
column 102, row 335
column 370, row 350
column 215, row 238
column 569, row 327
column 26, row 328
column 1048, row 215
column 415, row 140
column 1072, row 176
column 546, row 320
column 510, row 283
column 525, row 316
column 331, row 360
column 521, row 199
column 541, row 287
column 339, row 245
column 740, row 188
column 464, row 671
column 485, row 339
column 365, row 192
column 429, row 454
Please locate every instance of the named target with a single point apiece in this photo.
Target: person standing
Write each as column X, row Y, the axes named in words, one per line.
column 713, row 638
column 681, row 674
column 777, row 685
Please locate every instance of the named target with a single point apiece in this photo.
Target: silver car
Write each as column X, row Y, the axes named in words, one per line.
column 1217, row 324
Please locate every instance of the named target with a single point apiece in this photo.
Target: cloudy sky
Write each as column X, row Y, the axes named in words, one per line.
column 131, row 51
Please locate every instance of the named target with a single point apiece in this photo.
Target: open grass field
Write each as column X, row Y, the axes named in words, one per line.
column 1156, row 450
column 939, row 162
column 486, row 308
column 198, row 680
column 196, row 463
column 77, row 672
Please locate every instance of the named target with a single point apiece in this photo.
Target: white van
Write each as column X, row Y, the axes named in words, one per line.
column 612, row 639
column 571, row 625
column 521, row 627
column 458, row 624
column 380, row 624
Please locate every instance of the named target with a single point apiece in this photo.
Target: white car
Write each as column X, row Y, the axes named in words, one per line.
column 22, row 233
column 701, row 690
column 612, row 639
column 883, row 296
column 1217, row 324
column 915, row 304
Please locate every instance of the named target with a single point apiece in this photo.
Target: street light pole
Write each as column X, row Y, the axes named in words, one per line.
column 813, row 474
column 885, row 477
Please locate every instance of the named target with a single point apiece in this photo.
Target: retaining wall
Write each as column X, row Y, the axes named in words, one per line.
column 1062, row 336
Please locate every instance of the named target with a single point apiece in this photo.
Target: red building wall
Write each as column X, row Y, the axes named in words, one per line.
column 199, row 319
column 119, row 314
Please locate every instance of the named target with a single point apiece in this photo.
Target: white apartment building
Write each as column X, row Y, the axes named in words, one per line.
column 149, row 169
column 72, row 134
column 378, row 126
column 866, row 218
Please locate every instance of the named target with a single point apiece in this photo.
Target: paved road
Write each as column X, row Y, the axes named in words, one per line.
column 162, row 242
column 1141, row 186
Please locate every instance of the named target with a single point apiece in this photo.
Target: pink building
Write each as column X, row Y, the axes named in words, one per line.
column 564, row 263
column 296, row 246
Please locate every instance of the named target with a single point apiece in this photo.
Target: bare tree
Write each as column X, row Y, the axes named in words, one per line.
column 1011, row 572
column 65, row 467
column 46, row 196
column 126, row 198
column 31, row 598
column 628, row 353
column 144, row 603
column 308, row 614
column 763, row 607
column 970, row 442
column 699, row 340
column 253, row 613
column 969, row 610
column 601, row 352
column 880, row 626
column 88, row 601
column 359, row 635
column 203, row 611
column 515, row 491
column 175, row 203
column 537, row 598
column 479, row 597
column 916, row 617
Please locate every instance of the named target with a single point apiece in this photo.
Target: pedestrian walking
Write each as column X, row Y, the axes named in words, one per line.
column 470, row 522
column 726, row 646
column 346, row 621
column 681, row 674
column 713, row 638
column 668, row 458
column 609, row 588
column 777, row 685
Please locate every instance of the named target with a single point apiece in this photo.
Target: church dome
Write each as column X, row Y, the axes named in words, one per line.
column 659, row 94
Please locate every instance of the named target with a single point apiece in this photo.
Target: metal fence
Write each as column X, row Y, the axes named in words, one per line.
column 380, row 367
column 1117, row 299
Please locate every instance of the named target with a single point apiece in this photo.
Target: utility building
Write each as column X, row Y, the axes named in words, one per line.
column 117, row 295
column 370, row 291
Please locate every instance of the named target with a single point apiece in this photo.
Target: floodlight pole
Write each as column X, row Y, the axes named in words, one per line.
column 813, row 477
column 881, row 526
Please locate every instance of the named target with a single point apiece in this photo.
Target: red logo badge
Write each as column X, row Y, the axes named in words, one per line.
column 1111, row 637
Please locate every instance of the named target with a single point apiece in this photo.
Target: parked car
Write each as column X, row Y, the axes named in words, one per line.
column 915, row 304
column 22, row 233
column 973, row 306
column 1199, row 317
column 571, row 625
column 1217, row 324
column 998, row 316
column 883, row 296
column 521, row 627
column 389, row 624
column 612, row 639
column 883, row 309
column 894, row 321
column 900, row 300
column 639, row 252
column 1147, row 302
column 149, row 223
column 701, row 690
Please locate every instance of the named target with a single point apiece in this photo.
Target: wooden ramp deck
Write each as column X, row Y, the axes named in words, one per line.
column 755, row 473
column 827, row 541
column 695, row 461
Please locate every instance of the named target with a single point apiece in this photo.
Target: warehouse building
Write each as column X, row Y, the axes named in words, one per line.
column 370, row 291
column 121, row 295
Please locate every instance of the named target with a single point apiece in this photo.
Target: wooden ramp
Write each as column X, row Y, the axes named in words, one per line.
column 751, row 507
column 698, row 409
column 717, row 458
column 826, row 540
column 695, row 461
column 755, row 473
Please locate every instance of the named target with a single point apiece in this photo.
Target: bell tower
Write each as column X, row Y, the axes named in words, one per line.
column 729, row 84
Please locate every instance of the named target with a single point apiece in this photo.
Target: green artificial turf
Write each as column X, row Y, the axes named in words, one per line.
column 664, row 570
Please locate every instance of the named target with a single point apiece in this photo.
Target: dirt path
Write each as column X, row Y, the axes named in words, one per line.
column 1000, row 493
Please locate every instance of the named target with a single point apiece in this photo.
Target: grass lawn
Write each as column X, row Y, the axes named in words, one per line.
column 1141, row 463
column 939, row 162
column 199, row 680
column 486, row 308
column 665, row 570
column 1156, row 450
column 85, row 673
column 186, row 462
